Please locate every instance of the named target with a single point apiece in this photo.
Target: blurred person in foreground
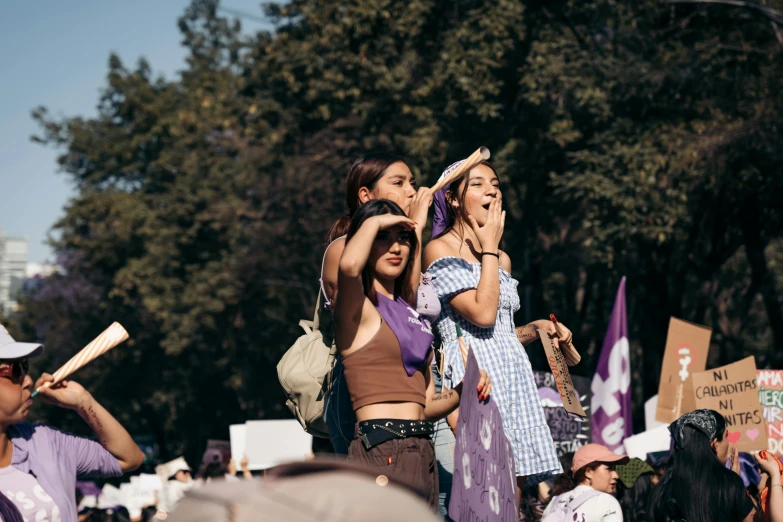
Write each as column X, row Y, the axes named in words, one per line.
column 586, row 493
column 39, row 465
column 696, row 485
column 322, row 490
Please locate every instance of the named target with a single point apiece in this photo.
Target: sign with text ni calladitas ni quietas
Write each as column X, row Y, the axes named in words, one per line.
column 732, row 391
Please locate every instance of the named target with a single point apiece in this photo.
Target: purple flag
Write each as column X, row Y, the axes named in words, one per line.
column 611, row 404
column 484, row 484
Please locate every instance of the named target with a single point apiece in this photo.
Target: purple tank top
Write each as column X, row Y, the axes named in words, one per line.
column 414, row 335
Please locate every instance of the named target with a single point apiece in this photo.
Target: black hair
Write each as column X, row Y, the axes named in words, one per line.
column 379, row 207
column 216, row 469
column 634, row 499
column 148, row 514
column 8, row 510
column 695, row 482
column 365, row 172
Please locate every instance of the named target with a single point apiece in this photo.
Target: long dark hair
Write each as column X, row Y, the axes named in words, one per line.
column 365, row 172
column 8, row 510
column 379, row 207
column 634, row 499
column 700, row 486
column 455, row 194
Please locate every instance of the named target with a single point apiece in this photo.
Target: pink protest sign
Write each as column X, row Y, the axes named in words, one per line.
column 771, row 398
column 484, row 485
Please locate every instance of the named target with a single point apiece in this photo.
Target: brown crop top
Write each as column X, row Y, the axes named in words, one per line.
column 375, row 373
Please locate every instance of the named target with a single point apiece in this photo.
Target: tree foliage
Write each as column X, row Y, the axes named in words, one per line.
column 632, row 138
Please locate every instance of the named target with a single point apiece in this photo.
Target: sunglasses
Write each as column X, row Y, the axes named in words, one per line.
column 15, row 370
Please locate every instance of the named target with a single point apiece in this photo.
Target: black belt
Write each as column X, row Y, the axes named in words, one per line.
column 378, row 431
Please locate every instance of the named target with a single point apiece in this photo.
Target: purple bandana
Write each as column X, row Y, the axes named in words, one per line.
column 414, row 335
column 441, row 218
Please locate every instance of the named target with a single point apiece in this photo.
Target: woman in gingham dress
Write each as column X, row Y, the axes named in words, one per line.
column 473, row 281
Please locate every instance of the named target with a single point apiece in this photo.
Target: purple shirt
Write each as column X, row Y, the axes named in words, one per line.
column 57, row 459
column 26, row 493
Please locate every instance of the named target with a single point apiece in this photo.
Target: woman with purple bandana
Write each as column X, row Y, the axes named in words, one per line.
column 386, row 348
column 39, row 466
column 472, row 277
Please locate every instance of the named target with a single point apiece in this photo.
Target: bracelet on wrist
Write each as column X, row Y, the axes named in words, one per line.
column 490, row 254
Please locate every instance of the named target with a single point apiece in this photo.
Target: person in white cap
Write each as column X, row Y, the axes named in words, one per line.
column 588, row 495
column 39, row 465
column 177, row 480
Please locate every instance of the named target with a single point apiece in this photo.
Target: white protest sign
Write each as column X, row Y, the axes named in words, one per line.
column 272, row 442
column 640, row 445
column 150, row 482
column 650, row 422
column 237, row 434
column 110, row 496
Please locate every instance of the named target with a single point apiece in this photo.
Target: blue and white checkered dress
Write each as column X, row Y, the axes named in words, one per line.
column 503, row 357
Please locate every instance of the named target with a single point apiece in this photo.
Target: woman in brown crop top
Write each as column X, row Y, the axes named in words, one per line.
column 386, row 349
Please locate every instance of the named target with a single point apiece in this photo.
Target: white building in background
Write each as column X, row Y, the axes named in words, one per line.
column 13, row 269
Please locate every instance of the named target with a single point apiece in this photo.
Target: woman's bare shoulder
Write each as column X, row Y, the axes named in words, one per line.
column 437, row 248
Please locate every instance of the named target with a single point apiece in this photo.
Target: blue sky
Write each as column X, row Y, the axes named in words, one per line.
column 56, row 54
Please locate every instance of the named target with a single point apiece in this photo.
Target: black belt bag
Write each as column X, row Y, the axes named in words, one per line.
column 377, row 431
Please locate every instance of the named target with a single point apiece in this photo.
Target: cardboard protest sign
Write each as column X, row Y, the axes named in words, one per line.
column 272, row 442
column 771, row 397
column 732, row 391
column 657, row 439
column 559, row 366
column 484, row 484
column 687, row 345
column 237, row 434
column 223, row 446
column 569, row 432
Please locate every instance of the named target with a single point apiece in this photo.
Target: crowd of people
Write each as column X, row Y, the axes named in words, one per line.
column 395, row 393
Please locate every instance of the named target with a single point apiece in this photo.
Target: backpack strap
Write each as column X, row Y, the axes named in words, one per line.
column 581, row 499
column 310, row 326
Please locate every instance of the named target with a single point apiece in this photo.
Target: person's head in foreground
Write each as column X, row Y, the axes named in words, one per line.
column 696, row 485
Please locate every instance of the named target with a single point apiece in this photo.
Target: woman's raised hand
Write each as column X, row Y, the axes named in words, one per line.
column 386, row 221
column 769, row 465
column 420, row 207
column 491, row 233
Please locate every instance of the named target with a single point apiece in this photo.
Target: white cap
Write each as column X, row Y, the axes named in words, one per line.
column 169, row 469
column 10, row 349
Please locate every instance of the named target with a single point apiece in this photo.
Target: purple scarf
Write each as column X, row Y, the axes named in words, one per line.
column 440, row 220
column 414, row 335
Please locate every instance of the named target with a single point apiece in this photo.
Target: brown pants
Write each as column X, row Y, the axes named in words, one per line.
column 411, row 460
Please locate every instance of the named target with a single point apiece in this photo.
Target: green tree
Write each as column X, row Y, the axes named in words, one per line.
column 634, row 139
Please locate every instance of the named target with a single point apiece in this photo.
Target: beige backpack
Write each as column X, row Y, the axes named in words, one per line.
column 305, row 372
